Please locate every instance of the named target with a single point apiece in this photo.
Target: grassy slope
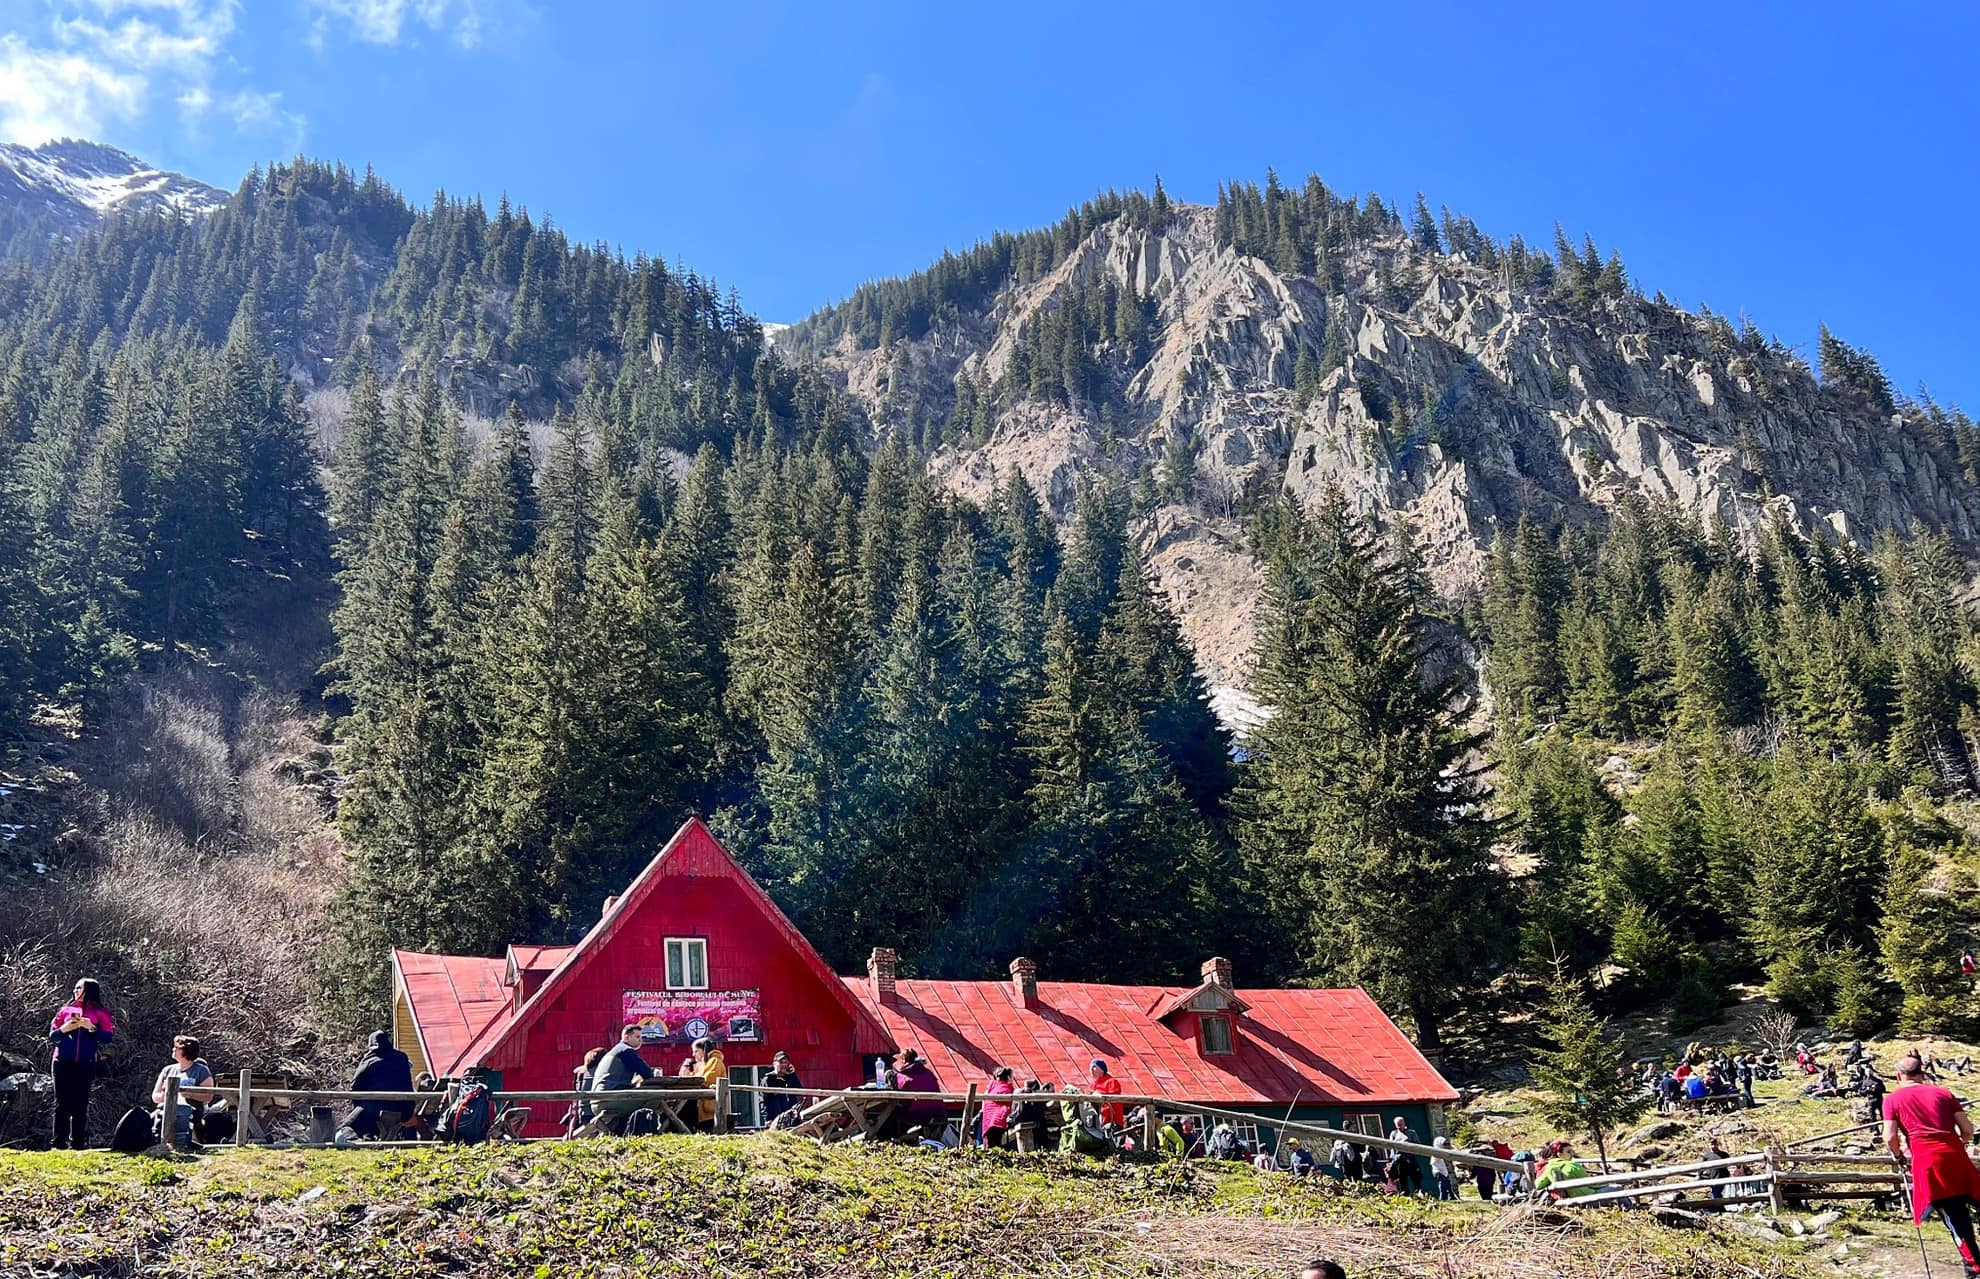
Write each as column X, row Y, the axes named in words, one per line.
column 778, row 1206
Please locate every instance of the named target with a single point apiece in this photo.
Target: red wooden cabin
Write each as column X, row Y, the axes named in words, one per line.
column 694, row 946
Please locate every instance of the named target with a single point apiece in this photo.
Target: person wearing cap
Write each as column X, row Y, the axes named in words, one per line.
column 1925, row 1124
column 782, row 1075
column 1299, row 1160
column 1101, row 1080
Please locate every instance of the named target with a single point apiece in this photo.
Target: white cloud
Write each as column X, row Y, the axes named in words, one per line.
column 105, row 62
column 53, row 93
column 384, row 21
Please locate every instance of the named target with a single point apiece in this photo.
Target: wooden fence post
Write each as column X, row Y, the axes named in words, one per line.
column 1775, row 1200
column 722, row 1104
column 1150, row 1137
column 244, row 1112
column 168, row 1114
column 969, row 1114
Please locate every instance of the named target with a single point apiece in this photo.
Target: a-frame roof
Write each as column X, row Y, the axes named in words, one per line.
column 692, row 850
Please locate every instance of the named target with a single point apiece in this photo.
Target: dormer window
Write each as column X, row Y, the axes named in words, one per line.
column 687, row 963
column 1216, row 1033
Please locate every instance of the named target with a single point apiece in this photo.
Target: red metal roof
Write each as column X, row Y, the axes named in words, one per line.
column 530, row 959
column 1323, row 1047
column 453, row 999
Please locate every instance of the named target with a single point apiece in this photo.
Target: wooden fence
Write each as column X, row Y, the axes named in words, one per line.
column 1776, row 1175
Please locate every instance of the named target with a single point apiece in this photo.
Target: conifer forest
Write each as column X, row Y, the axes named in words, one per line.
column 577, row 552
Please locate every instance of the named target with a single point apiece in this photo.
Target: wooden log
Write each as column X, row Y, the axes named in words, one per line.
column 1151, row 1123
column 1652, row 1174
column 1840, row 1178
column 722, row 1104
column 1775, row 1200
column 168, row 1113
column 244, row 1114
column 1649, row 1192
column 1830, row 1136
column 968, row 1114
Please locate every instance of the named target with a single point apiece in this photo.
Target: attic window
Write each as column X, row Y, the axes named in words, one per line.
column 1216, row 1034
column 687, row 963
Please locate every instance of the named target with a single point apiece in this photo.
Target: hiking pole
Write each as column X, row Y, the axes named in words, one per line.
column 1911, row 1211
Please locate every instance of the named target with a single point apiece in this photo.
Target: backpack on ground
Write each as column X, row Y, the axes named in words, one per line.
column 471, row 1117
column 134, row 1133
column 642, row 1123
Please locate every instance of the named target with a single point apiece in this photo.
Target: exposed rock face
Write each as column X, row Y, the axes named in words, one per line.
column 1456, row 402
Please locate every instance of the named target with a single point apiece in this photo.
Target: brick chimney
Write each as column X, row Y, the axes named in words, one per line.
column 880, row 972
column 1024, row 981
column 1217, row 972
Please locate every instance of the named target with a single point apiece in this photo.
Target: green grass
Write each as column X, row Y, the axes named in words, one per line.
column 775, row 1206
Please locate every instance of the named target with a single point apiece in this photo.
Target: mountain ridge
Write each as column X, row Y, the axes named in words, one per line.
column 69, row 185
column 1455, row 400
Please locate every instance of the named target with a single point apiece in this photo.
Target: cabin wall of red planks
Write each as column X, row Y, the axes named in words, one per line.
column 746, row 951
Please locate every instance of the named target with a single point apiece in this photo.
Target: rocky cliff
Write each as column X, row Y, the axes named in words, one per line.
column 1439, row 393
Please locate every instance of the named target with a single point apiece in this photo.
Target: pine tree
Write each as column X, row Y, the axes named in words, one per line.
column 1581, row 1073
column 1356, row 802
column 1920, row 937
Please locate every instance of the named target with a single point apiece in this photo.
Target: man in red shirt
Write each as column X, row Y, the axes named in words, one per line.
column 1101, row 1080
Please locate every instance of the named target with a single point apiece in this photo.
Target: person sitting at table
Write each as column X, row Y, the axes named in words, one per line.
column 580, row 1111
column 710, row 1066
column 1694, row 1088
column 620, row 1068
column 383, row 1068
column 191, row 1071
column 923, row 1119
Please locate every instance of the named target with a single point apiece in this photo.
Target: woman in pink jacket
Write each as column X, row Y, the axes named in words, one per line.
column 997, row 1114
column 77, row 1033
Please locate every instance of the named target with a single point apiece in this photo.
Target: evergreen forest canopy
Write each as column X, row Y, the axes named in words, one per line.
column 947, row 727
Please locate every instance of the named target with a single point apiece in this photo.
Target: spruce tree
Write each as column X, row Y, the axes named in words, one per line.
column 1581, row 1072
column 1359, row 804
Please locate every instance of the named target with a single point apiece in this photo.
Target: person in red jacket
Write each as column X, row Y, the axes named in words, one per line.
column 1926, row 1124
column 79, row 1031
column 1101, row 1080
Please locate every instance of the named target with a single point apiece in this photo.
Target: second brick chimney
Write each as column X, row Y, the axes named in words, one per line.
column 1024, row 981
column 880, row 972
column 1217, row 972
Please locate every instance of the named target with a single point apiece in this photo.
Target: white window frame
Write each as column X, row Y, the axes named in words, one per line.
column 1230, row 1034
column 688, row 946
column 1247, row 1134
column 1358, row 1121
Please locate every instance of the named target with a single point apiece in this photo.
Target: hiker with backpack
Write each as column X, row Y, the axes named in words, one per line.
column 193, row 1073
column 383, row 1068
column 79, row 1031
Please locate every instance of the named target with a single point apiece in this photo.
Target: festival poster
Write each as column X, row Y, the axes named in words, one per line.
column 683, row 1016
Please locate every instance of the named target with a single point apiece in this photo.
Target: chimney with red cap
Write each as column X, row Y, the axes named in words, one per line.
column 1024, row 981
column 880, row 972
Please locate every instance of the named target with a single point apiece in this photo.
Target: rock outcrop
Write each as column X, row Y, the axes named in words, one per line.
column 1451, row 401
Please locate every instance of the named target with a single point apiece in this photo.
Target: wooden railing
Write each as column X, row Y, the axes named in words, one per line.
column 1774, row 1175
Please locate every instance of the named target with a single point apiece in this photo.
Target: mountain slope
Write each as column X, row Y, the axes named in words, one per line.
column 1448, row 390
column 68, row 186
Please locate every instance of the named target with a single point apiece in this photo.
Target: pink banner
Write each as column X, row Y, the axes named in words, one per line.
column 683, row 1016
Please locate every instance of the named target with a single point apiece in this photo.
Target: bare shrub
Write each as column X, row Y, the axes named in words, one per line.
column 1776, row 1031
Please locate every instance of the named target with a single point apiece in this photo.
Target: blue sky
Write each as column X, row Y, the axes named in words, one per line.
column 1797, row 162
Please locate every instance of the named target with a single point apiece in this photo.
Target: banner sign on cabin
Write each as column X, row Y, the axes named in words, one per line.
column 683, row 1016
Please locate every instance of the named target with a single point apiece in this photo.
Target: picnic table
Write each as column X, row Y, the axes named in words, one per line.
column 846, row 1118
column 618, row 1103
